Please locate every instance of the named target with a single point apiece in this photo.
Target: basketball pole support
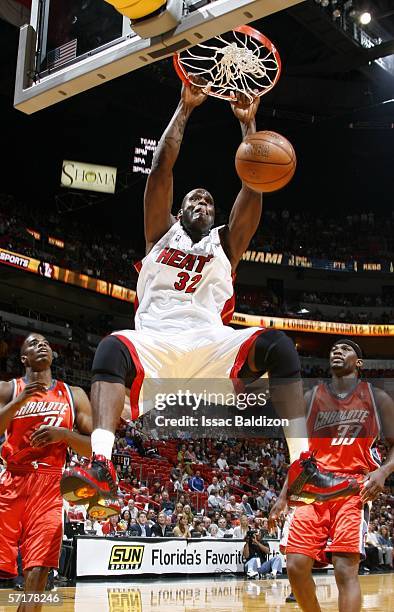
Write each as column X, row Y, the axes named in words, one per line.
column 128, row 53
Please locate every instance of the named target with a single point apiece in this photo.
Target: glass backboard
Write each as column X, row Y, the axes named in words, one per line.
column 72, row 46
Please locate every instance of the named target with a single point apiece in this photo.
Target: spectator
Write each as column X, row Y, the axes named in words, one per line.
column 169, row 521
column 385, row 548
column 262, row 503
column 112, row 525
column 224, row 530
column 245, row 506
column 166, row 504
column 155, row 502
column 222, row 462
column 176, row 472
column 181, row 454
column 269, row 496
column 222, row 498
column 132, row 509
column 151, row 517
column 160, row 528
column 371, row 550
column 214, row 501
column 125, row 520
column 214, row 484
column 157, row 487
column 232, row 505
column 189, row 455
column 196, row 483
column 242, row 528
column 178, row 485
column 198, row 530
column 141, row 528
column 93, row 526
column 213, row 531
column 181, row 530
column 178, row 510
column 206, row 520
column 135, row 485
column 231, row 480
column 187, row 511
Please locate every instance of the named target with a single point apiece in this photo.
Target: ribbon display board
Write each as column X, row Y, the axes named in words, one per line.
column 70, row 277
column 300, row 261
column 118, row 292
column 316, row 327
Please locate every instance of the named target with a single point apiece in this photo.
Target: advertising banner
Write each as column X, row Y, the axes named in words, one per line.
column 78, row 175
column 116, row 556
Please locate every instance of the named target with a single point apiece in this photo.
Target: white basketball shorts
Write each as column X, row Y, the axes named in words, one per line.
column 214, row 354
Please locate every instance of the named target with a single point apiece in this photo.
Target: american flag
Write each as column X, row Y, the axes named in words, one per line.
column 62, row 54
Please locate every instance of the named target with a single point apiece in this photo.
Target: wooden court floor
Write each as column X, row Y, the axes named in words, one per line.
column 229, row 594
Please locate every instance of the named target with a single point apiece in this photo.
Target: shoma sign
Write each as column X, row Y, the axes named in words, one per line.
column 77, row 175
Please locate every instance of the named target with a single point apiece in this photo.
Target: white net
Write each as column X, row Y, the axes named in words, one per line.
column 232, row 62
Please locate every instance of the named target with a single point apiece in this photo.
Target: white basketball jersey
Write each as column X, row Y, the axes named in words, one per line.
column 182, row 285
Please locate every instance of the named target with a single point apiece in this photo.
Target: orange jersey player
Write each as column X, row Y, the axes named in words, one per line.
column 38, row 416
column 345, row 417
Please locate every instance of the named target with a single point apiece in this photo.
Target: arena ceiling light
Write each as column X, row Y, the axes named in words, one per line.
column 365, row 17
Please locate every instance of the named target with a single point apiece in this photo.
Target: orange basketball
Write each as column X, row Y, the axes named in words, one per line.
column 265, row 161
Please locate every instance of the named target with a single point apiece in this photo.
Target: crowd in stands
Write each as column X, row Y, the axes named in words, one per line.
column 262, row 301
column 111, row 257
column 212, row 488
column 85, row 250
column 348, row 299
column 352, row 236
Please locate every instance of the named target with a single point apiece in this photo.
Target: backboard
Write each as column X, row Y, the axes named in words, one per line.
column 70, row 47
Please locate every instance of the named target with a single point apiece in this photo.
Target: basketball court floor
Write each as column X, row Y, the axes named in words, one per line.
column 219, row 593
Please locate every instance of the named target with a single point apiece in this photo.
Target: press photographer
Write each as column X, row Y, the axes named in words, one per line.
column 256, row 552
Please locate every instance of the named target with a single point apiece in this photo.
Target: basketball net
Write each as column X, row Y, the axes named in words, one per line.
column 240, row 61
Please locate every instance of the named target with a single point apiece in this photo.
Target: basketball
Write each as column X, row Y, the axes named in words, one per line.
column 265, row 161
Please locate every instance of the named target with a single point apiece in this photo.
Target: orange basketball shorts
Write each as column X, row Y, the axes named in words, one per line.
column 318, row 529
column 30, row 519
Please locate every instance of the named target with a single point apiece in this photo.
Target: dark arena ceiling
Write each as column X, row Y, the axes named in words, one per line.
column 334, row 102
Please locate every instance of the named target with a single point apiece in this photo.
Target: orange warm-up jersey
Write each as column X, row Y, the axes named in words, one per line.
column 55, row 408
column 343, row 430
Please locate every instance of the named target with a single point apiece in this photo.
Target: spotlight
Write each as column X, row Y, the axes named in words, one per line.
column 365, row 17
column 325, row 2
column 336, row 14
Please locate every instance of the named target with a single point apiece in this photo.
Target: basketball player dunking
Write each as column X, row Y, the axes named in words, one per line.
column 184, row 290
column 344, row 419
column 38, row 415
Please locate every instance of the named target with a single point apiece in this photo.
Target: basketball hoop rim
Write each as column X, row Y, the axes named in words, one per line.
column 248, row 31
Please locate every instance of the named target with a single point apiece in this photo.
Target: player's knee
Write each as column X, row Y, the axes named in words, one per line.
column 112, row 361
column 276, row 354
column 298, row 568
column 36, row 577
column 345, row 570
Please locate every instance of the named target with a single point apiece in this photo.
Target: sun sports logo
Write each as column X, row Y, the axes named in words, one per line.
column 126, row 557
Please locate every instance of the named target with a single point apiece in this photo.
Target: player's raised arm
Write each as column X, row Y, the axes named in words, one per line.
column 158, row 191
column 246, row 212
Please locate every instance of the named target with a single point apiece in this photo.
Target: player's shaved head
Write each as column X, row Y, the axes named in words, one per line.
column 199, row 192
column 197, row 212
